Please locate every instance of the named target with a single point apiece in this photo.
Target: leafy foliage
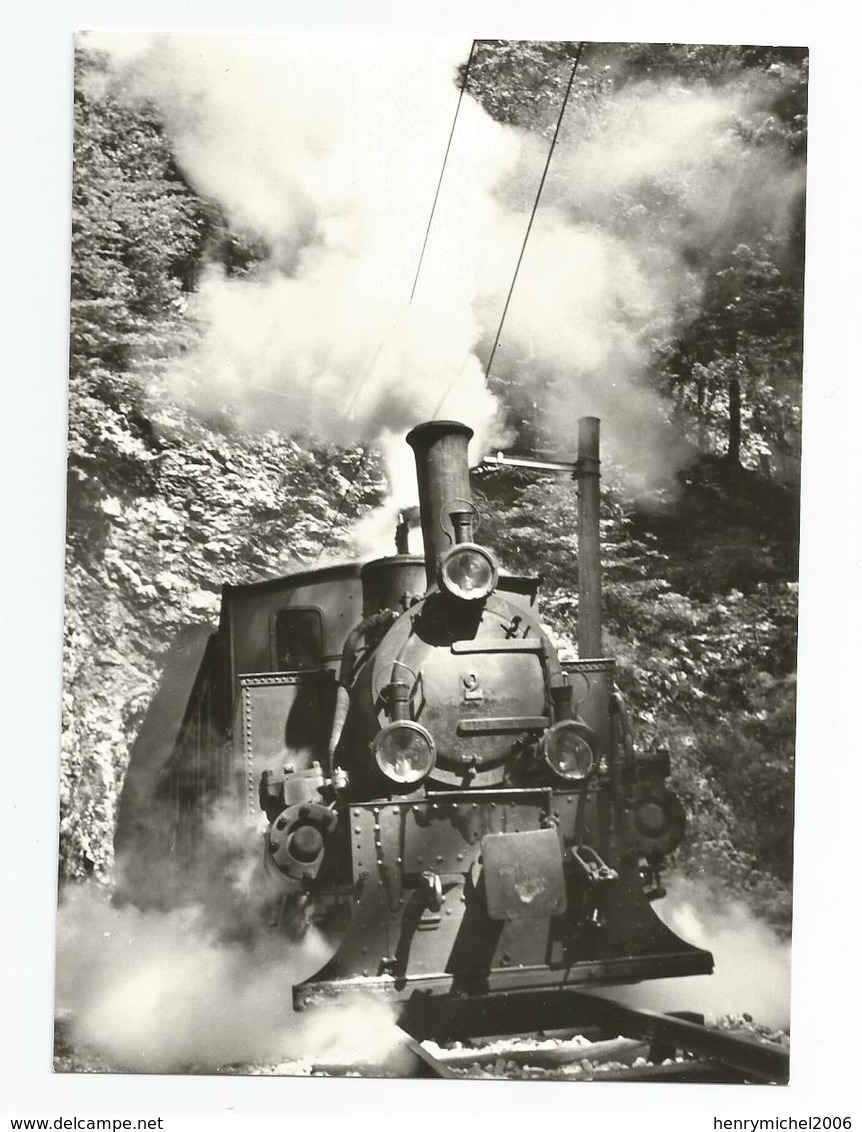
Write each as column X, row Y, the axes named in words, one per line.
column 136, row 229
column 524, row 83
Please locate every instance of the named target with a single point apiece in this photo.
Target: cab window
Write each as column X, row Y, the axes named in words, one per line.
column 298, row 640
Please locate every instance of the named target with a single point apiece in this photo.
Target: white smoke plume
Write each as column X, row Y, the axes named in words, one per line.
column 193, row 977
column 160, row 992
column 329, row 150
column 752, row 963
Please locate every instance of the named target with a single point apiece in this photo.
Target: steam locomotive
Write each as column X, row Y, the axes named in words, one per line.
column 448, row 805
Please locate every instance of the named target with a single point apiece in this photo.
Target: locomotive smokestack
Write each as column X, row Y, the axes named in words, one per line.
column 589, row 540
column 440, row 448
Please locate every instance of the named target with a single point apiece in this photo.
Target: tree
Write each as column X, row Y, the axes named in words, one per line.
column 137, row 230
column 732, row 371
column 738, row 367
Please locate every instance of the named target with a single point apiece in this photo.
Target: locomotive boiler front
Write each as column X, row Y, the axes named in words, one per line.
column 462, row 681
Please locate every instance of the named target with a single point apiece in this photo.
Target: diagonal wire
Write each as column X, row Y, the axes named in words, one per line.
column 382, row 342
column 443, row 168
column 535, row 206
column 529, row 227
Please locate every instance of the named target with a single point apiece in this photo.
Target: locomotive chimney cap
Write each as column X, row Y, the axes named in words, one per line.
column 430, row 430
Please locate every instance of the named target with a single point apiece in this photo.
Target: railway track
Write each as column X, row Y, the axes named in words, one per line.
column 567, row 1036
column 608, row 1042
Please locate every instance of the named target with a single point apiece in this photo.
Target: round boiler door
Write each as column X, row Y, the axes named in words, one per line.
column 477, row 682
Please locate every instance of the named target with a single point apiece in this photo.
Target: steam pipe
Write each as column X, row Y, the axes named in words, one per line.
column 462, row 524
column 622, row 750
column 589, row 540
column 402, row 535
column 383, row 619
column 440, row 448
column 398, row 695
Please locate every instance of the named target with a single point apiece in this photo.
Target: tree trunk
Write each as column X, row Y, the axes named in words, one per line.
column 734, row 434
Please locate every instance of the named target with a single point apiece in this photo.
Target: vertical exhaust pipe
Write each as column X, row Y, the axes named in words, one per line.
column 589, row 540
column 440, row 448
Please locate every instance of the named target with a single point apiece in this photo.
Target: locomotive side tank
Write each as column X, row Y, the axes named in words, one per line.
column 453, row 808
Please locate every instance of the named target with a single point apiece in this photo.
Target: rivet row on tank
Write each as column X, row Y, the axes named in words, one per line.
column 377, row 827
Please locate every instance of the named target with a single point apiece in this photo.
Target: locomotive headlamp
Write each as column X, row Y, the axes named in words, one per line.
column 405, row 752
column 567, row 748
column 468, row 571
column 658, row 818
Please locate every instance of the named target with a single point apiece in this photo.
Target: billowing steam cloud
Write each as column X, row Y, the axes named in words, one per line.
column 159, row 992
column 206, row 982
column 329, row 150
column 752, row 964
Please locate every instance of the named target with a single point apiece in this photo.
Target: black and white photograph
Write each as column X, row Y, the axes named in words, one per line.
column 434, row 461
column 433, row 488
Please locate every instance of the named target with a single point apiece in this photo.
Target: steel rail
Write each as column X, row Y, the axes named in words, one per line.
column 457, row 1017
column 768, row 1062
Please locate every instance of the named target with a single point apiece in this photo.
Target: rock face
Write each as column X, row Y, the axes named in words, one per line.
column 143, row 578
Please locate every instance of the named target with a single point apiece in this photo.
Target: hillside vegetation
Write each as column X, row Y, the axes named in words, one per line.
column 167, row 502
